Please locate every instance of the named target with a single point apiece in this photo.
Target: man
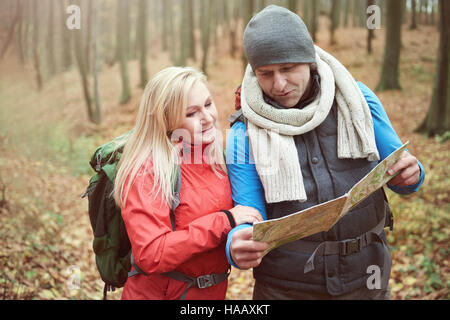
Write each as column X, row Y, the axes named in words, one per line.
column 305, row 134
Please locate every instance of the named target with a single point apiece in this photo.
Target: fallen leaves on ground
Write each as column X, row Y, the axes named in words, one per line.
column 45, row 235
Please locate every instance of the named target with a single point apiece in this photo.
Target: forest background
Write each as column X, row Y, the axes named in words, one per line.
column 71, row 79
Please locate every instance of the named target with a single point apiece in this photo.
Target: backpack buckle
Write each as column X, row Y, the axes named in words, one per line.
column 206, row 281
column 350, row 246
column 98, row 167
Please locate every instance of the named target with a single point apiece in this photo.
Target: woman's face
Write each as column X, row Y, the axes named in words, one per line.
column 201, row 117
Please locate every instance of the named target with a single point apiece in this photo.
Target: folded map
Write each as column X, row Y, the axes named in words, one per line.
column 322, row 217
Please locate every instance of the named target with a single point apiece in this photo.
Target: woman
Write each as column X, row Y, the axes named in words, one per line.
column 177, row 127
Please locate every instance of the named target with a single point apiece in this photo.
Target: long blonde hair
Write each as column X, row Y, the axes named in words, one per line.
column 161, row 111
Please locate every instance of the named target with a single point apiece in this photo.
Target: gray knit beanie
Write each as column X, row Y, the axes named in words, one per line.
column 277, row 35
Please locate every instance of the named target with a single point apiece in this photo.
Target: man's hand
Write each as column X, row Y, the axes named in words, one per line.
column 409, row 171
column 245, row 252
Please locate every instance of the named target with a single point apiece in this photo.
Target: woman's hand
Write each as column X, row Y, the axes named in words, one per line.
column 244, row 214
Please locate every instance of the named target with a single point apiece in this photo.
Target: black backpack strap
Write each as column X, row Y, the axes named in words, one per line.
column 136, row 270
column 176, row 200
column 202, row 282
column 389, row 215
column 237, row 116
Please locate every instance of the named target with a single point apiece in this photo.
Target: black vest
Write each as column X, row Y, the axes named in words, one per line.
column 325, row 178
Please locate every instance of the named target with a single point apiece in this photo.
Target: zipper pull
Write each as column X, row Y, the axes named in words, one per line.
column 99, row 160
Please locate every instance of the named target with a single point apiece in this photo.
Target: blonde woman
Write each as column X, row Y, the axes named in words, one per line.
column 177, row 127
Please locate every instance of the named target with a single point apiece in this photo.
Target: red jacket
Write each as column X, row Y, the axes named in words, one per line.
column 197, row 247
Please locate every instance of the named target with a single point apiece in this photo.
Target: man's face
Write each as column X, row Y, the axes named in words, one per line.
column 284, row 83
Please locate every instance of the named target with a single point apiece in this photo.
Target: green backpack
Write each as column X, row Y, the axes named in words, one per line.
column 111, row 245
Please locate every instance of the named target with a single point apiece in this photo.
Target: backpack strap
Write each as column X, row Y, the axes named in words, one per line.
column 389, row 215
column 201, row 282
column 109, row 153
column 136, row 270
column 236, row 117
column 176, row 195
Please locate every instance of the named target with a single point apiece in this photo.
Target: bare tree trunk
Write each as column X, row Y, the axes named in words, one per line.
column 133, row 46
column 123, row 47
column 155, row 16
column 165, row 29
column 422, row 11
column 389, row 73
column 191, row 28
column 413, row 15
column 226, row 18
column 88, row 31
column 404, row 13
column 25, row 36
column 248, row 7
column 437, row 120
column 173, row 44
column 10, row 35
column 262, row 4
column 362, row 14
column 313, row 19
column 306, row 13
column 370, row 34
column 427, row 15
column 141, row 37
column 118, row 27
column 355, row 10
column 206, row 26
column 19, row 34
column 36, row 57
column 226, row 15
column 432, row 18
column 215, row 24
column 292, row 5
column 96, row 115
column 234, row 29
column 65, row 35
column 346, row 13
column 184, row 34
column 81, row 59
column 334, row 17
column 50, row 42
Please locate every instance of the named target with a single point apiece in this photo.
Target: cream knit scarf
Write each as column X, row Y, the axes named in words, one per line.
column 271, row 131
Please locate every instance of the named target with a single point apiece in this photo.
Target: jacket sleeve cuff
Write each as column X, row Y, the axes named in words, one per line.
column 230, row 236
column 230, row 218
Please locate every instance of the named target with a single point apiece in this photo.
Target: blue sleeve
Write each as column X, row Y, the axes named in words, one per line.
column 386, row 139
column 246, row 186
